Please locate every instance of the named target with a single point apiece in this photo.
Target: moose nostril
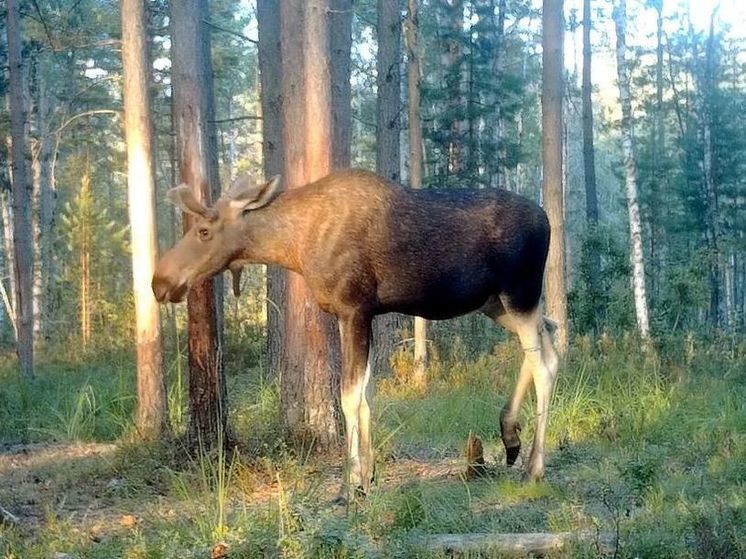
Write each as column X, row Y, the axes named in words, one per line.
column 160, row 288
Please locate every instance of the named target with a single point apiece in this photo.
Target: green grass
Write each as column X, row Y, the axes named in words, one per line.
column 650, row 448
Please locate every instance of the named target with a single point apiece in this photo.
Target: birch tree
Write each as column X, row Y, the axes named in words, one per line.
column 630, row 174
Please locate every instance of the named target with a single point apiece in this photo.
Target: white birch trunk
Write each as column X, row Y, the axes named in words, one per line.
column 630, row 176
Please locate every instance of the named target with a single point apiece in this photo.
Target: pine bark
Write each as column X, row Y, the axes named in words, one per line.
column 196, row 152
column 340, row 47
column 551, row 140
column 310, row 359
column 414, row 88
column 630, row 175
column 21, row 195
column 151, row 391
column 589, row 158
column 388, row 155
column 270, row 75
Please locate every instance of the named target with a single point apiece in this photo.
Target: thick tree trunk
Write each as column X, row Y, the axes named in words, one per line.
column 270, row 72
column 21, row 196
column 415, row 166
column 630, row 176
column 151, row 391
column 388, row 155
column 310, row 372
column 551, row 140
column 197, row 152
column 589, row 162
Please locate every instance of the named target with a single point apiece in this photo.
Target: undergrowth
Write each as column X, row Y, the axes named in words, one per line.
column 647, row 448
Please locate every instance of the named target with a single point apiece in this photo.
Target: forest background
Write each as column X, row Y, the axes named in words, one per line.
column 642, row 369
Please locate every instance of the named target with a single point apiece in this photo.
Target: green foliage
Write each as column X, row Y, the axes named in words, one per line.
column 648, row 450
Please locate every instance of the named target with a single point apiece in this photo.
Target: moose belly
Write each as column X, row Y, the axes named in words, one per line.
column 446, row 295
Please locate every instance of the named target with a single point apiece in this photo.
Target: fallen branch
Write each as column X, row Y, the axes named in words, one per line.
column 8, row 517
column 511, row 544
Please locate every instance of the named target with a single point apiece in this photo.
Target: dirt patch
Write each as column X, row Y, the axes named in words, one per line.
column 42, row 480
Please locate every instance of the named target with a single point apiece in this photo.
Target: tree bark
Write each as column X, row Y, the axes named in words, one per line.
column 310, row 360
column 589, row 164
column 551, row 141
column 388, row 155
column 712, row 220
column 630, row 175
column 340, row 46
column 270, row 75
column 197, row 152
column 21, row 196
column 415, row 167
column 151, row 390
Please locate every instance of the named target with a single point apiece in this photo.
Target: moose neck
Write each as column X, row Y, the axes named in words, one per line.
column 273, row 232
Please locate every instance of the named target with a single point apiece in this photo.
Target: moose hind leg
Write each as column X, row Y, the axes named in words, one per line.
column 540, row 361
column 540, row 366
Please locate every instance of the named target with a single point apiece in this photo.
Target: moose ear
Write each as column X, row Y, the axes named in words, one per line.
column 183, row 197
column 254, row 198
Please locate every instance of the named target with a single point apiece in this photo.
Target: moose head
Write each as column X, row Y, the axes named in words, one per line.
column 217, row 238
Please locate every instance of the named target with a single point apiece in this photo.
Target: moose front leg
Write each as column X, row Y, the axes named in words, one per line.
column 355, row 338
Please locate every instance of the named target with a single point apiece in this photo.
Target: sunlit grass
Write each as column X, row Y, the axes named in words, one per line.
column 652, row 447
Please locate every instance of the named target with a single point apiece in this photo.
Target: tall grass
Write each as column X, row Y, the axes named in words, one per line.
column 650, row 447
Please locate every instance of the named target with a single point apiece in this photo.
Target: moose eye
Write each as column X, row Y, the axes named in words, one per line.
column 203, row 233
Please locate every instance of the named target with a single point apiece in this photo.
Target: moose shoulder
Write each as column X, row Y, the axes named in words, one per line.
column 368, row 247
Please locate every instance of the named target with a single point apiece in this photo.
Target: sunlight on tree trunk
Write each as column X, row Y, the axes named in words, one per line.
column 151, row 391
column 415, row 168
column 311, row 350
column 551, row 140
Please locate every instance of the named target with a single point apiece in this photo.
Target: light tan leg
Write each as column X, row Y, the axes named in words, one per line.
column 540, row 366
column 354, row 334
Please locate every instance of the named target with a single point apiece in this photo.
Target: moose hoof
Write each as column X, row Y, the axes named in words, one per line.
column 511, row 454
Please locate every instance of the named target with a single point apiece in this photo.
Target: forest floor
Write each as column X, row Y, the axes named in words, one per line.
column 651, row 450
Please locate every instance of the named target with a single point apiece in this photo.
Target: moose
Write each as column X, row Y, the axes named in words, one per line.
column 366, row 247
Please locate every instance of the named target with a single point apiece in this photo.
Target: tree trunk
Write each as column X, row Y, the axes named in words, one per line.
column 589, row 166
column 21, row 196
column 84, row 256
column 415, row 167
column 657, row 184
column 630, row 176
column 310, row 375
column 712, row 220
column 9, row 295
column 340, row 46
column 388, row 159
column 270, row 74
column 551, row 143
column 151, row 391
column 197, row 152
